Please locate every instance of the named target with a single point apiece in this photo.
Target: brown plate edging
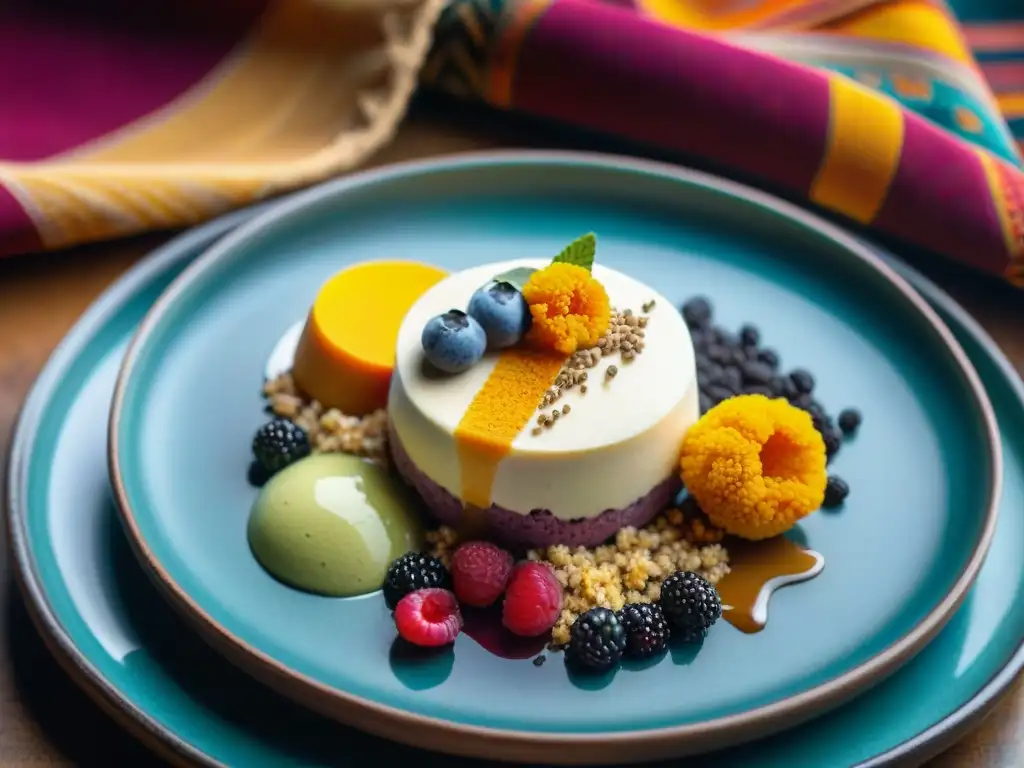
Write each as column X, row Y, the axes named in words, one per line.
column 558, row 748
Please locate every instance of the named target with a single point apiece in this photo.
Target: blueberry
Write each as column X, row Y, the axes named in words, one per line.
column 758, row 389
column 803, row 401
column 783, row 386
column 732, row 379
column 756, row 372
column 750, row 336
column 502, row 312
column 706, row 403
column 836, row 491
column 453, row 342
column 697, row 312
column 720, row 354
column 849, row 420
column 723, row 338
column 817, row 411
column 718, row 393
column 709, row 374
column 832, row 441
column 769, row 357
column 802, row 380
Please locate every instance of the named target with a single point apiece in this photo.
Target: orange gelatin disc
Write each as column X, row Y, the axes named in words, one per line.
column 347, row 350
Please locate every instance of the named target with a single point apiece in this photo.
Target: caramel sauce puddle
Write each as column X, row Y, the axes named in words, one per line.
column 757, row 569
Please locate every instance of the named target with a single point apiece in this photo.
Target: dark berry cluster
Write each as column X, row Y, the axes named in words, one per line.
column 730, row 364
column 688, row 607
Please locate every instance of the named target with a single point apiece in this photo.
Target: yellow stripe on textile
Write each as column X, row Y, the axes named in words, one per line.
column 865, row 138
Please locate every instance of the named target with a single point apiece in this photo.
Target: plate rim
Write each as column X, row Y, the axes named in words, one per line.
column 506, row 743
column 925, row 743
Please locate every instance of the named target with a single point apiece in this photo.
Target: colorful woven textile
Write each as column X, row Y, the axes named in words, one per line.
column 122, row 118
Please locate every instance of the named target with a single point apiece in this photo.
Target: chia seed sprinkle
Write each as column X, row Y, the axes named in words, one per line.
column 625, row 335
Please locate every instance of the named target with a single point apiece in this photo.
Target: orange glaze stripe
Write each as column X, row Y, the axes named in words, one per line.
column 498, row 414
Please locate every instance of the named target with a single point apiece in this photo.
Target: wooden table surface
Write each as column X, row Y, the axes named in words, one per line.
column 46, row 721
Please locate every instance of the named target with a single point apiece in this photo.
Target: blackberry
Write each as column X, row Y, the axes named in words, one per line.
column 849, row 420
column 597, row 640
column 697, row 312
column 691, row 605
column 802, row 380
column 413, row 572
column 647, row 631
column 836, row 491
column 279, row 443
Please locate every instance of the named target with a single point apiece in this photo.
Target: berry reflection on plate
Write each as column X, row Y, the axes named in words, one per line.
column 547, row 443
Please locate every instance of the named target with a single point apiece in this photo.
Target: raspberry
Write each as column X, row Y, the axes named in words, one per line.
column 480, row 571
column 533, row 600
column 429, row 618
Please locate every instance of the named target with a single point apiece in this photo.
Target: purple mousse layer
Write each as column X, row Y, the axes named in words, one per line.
column 539, row 528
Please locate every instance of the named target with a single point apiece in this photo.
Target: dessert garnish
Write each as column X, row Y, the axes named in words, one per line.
column 691, row 605
column 454, row 342
column 429, row 618
column 329, row 429
column 597, row 641
column 413, row 572
column 625, row 336
column 533, row 600
column 836, row 491
column 647, row 630
column 480, row 572
column 569, row 306
column 559, row 308
column 502, row 312
column 755, row 465
column 628, row 569
column 279, row 443
column 849, row 420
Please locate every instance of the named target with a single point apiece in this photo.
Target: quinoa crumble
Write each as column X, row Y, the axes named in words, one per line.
column 329, row 430
column 629, row 569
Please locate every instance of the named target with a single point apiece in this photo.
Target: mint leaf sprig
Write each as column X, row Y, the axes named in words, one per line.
column 580, row 252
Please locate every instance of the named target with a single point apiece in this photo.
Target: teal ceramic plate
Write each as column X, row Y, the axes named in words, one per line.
column 925, row 466
column 115, row 636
